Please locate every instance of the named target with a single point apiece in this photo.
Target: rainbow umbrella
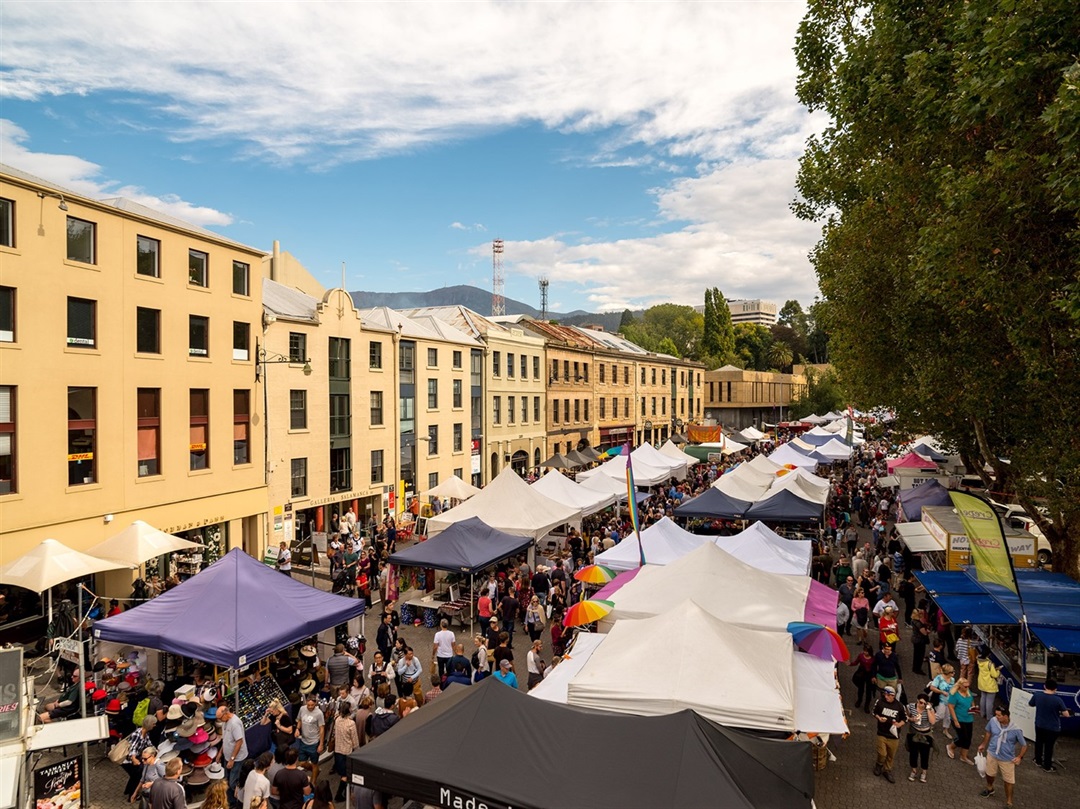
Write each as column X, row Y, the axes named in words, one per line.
column 595, row 574
column 818, row 640
column 587, row 612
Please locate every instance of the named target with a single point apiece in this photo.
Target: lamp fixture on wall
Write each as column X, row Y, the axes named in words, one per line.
column 63, row 204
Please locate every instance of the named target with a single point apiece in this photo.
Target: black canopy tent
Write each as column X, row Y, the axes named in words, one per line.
column 443, row 756
column 785, row 506
column 714, row 503
column 468, row 546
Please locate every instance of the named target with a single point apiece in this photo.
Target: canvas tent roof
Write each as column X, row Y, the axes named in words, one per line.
column 644, row 474
column 714, row 503
column 929, row 452
column 454, row 488
column 750, row 434
column 799, row 486
column 763, row 464
column 254, row 609
column 721, row 584
column 813, row 418
column 747, row 484
column 785, row 455
column 761, row 547
column 669, row 449
column 465, row 547
column 784, row 506
column 511, row 505
column 563, row 490
column 836, row 450
column 663, row 541
column 610, row 485
column 648, row 454
column 909, row 461
column 678, row 760
column 929, row 493
column 740, row 661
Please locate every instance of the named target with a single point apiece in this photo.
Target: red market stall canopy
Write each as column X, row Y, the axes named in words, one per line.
column 443, row 756
column 910, row 461
column 234, row 613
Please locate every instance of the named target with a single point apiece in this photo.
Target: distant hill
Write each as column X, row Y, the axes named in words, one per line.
column 479, row 300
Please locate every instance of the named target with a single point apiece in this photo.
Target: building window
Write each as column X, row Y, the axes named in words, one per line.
column 577, row 410
column 198, row 336
column 376, row 408
column 7, row 224
column 524, row 367
column 81, row 240
column 511, row 409
column 198, row 268
column 241, row 427
column 496, row 363
column 577, row 373
column 555, row 413
column 626, row 406
column 407, row 358
column 614, row 374
column 148, row 413
column 603, row 413
column 297, row 409
column 536, row 367
column 626, row 375
column 297, row 347
column 340, row 415
column 585, row 367
column 340, row 352
column 602, row 366
column 298, row 477
column 147, row 330
column 433, row 394
column 663, row 376
column 536, row 409
column 81, row 325
column 653, row 376
column 643, row 405
column 458, row 436
column 682, row 379
column 459, row 473
column 496, row 410
column 586, row 409
column 432, row 440
column 457, row 393
column 554, row 370
column 456, row 359
column 642, row 374
column 340, row 469
column 7, row 314
column 524, row 409
column 7, row 439
column 199, row 438
column 241, row 340
column 614, row 408
column 566, row 411
column 566, row 370
column 241, row 278
column 433, row 358
column 509, row 365
column 82, row 436
column 148, row 256
column 663, row 407
column 374, row 355
column 654, row 405
column 376, row 466
column 432, row 480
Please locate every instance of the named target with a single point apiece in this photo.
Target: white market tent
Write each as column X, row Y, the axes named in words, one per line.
column 750, row 434
column 609, row 485
column 762, row 548
column 813, row 418
column 763, row 464
column 644, row 474
column 832, row 415
column 669, row 449
column 50, row 563
column 663, row 541
column 742, row 487
column 453, row 487
column 799, row 487
column 138, row 543
column 563, row 490
column 651, row 456
column 785, row 455
column 723, row 585
column 510, row 505
column 728, row 446
column 836, row 450
column 806, row 446
column 553, row 687
column 738, row 677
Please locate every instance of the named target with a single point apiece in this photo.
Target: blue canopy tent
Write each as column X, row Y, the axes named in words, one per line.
column 930, row 493
column 714, row 503
column 465, row 547
column 819, row 440
column 784, row 506
column 929, row 452
column 233, row 613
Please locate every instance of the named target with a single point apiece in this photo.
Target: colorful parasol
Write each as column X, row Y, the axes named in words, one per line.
column 586, row 612
column 595, row 574
column 818, row 640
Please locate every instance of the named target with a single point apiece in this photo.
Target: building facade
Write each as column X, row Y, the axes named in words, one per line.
column 763, row 313
column 737, row 398
column 127, row 376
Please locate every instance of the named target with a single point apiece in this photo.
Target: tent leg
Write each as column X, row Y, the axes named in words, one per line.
column 472, row 600
column 234, row 681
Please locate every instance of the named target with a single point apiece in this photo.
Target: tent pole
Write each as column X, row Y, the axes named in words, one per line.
column 472, row 600
column 82, row 702
column 234, row 682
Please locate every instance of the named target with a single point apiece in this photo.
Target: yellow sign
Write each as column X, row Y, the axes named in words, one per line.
column 81, row 456
column 196, row 447
column 988, row 548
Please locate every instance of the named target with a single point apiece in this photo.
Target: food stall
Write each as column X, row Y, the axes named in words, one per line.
column 943, row 523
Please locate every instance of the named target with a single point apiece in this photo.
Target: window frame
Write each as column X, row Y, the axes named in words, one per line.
column 196, row 277
column 433, row 440
column 297, row 347
column 433, row 394
column 432, row 357
column 193, row 349
column 245, row 275
column 92, row 260
column 375, row 358
column 73, row 341
column 378, row 469
column 155, row 253
column 7, row 223
column 140, row 312
column 457, row 394
column 9, row 469
column 148, row 421
column 296, row 464
column 456, row 360
column 459, row 436
column 9, row 301
column 242, row 423
column 298, row 409
column 199, row 460
column 241, row 353
column 81, row 427
column 375, row 401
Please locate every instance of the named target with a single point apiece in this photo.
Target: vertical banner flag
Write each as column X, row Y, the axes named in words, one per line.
column 989, row 551
column 631, row 502
column 850, row 426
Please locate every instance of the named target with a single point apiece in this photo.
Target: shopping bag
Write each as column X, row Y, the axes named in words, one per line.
column 980, row 764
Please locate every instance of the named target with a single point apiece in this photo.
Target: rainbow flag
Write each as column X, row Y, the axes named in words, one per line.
column 631, row 502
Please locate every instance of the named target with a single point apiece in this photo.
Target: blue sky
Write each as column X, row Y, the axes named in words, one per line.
column 633, row 153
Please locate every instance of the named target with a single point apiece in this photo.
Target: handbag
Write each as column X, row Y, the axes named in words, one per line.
column 120, row 751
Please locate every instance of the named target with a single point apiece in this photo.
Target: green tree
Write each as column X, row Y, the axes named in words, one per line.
column 779, row 355
column 725, row 329
column 792, row 315
column 946, row 186
column 752, row 344
column 682, row 325
column 710, row 339
column 823, row 393
column 627, row 319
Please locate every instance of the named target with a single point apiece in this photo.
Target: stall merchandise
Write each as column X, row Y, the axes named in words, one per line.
column 255, row 697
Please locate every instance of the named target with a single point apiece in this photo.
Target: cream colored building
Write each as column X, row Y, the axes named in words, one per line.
column 433, row 409
column 510, row 403
column 127, row 375
column 737, row 398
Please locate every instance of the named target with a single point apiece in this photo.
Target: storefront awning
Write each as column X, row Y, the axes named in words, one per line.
column 1063, row 640
column 917, row 538
column 973, row 609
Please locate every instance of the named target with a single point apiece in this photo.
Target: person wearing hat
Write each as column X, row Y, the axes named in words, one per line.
column 891, row 718
column 234, row 750
column 506, row 675
column 492, row 632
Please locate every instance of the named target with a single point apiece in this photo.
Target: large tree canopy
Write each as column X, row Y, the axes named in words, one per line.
column 947, row 184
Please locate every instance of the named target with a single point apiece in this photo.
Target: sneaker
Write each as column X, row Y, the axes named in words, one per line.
column 912, row 776
column 889, row 776
column 987, row 793
column 877, row 769
column 923, row 778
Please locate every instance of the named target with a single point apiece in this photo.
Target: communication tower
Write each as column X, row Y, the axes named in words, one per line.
column 498, row 280
column 543, row 297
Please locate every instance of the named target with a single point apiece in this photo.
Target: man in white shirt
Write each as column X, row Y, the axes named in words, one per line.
column 257, row 783
column 284, row 560
column 885, row 601
column 443, row 647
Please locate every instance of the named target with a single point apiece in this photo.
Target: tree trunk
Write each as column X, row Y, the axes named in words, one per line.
column 1001, row 471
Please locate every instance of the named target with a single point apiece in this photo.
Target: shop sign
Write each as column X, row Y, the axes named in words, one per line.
column 81, row 456
column 197, row 447
column 68, row 649
column 11, row 672
column 59, row 784
column 452, row 799
column 337, row 498
column 391, row 501
column 187, row 526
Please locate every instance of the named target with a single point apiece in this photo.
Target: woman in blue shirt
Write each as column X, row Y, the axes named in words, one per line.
column 962, row 711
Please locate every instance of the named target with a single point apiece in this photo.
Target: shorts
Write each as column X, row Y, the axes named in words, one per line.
column 308, row 752
column 1008, row 769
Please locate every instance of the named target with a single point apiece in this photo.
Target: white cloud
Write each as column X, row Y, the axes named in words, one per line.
column 83, row 177
column 458, row 226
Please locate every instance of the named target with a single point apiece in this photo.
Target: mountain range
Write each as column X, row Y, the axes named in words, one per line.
column 479, row 300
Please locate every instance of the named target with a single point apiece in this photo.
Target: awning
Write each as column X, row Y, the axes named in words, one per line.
column 917, row 538
column 973, row 609
column 948, row 581
column 1062, row 640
